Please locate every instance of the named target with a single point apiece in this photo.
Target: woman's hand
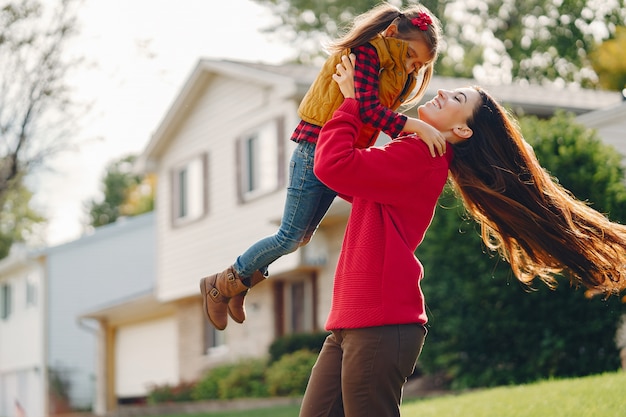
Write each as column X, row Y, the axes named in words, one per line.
column 344, row 77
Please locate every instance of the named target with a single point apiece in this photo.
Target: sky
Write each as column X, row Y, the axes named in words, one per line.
column 137, row 54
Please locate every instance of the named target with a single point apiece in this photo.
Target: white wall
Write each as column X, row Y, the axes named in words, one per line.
column 146, row 354
column 114, row 263
column 22, row 369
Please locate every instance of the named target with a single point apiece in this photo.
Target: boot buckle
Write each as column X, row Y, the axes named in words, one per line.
column 214, row 293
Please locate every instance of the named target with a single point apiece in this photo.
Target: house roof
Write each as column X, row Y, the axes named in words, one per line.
column 284, row 80
column 602, row 117
column 293, row 80
column 133, row 308
column 535, row 99
column 122, row 225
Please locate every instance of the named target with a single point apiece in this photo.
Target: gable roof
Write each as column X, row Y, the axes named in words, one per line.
column 285, row 80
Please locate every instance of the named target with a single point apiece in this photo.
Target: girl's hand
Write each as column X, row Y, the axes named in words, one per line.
column 429, row 135
column 433, row 138
column 344, row 77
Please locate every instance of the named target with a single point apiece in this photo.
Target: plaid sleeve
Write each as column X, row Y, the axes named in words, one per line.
column 366, row 85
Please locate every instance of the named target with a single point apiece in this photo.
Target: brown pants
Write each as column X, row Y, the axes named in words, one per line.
column 361, row 372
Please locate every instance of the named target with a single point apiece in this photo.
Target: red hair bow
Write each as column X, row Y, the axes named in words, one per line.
column 422, row 21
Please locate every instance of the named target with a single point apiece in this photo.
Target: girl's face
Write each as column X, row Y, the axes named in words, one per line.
column 449, row 112
column 418, row 56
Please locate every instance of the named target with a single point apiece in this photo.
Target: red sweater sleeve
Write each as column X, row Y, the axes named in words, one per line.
column 383, row 174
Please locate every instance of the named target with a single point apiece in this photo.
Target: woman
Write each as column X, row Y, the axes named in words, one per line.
column 377, row 314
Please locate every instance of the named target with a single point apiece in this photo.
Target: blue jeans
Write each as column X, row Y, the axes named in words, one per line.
column 307, row 202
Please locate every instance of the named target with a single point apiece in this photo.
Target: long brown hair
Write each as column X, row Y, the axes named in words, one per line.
column 366, row 26
column 534, row 223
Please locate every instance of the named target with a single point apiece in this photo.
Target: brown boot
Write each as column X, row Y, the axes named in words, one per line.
column 216, row 291
column 236, row 309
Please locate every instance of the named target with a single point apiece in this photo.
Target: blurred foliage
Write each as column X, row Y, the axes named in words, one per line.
column 208, row 388
column 170, row 393
column 126, row 193
column 18, row 219
column 609, row 62
column 37, row 114
column 289, row 375
column 491, row 40
column 294, row 342
column 244, row 379
column 486, row 328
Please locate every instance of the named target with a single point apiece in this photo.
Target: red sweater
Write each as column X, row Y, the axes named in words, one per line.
column 394, row 191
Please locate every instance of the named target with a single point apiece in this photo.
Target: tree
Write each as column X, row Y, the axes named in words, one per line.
column 536, row 40
column 486, row 328
column 35, row 105
column 126, row 193
column 609, row 63
column 17, row 218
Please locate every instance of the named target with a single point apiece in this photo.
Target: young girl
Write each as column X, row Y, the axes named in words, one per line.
column 377, row 327
column 393, row 48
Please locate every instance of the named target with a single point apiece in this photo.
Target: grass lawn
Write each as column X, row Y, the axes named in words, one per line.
column 594, row 396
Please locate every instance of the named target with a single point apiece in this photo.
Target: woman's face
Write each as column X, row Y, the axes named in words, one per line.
column 449, row 111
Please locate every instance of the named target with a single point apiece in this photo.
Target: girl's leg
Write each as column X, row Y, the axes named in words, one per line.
column 307, row 202
column 376, row 364
column 323, row 392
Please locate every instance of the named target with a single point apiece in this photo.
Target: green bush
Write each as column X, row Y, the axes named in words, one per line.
column 295, row 342
column 171, row 393
column 209, row 386
column 245, row 380
column 289, row 375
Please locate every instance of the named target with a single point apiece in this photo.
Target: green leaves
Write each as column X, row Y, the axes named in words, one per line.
column 494, row 40
column 124, row 193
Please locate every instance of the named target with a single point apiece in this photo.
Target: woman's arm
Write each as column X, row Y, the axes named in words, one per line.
column 384, row 174
column 366, row 82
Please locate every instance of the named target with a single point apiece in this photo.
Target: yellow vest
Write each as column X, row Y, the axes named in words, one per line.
column 324, row 96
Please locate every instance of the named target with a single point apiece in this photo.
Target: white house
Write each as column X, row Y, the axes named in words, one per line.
column 44, row 348
column 23, row 378
column 221, row 154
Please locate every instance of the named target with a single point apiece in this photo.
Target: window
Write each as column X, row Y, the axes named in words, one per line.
column 260, row 157
column 5, row 301
column 213, row 338
column 31, row 292
column 295, row 303
column 189, row 194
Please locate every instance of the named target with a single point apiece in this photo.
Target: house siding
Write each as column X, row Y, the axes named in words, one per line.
column 22, row 361
column 117, row 260
column 223, row 111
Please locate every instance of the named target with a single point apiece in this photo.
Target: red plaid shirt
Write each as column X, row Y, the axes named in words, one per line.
column 366, row 86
